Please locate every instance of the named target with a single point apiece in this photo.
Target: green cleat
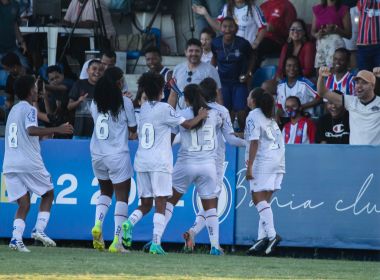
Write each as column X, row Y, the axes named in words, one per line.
column 117, row 247
column 127, row 234
column 156, row 249
column 97, row 238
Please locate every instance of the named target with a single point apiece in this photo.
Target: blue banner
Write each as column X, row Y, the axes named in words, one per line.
column 76, row 192
column 330, row 198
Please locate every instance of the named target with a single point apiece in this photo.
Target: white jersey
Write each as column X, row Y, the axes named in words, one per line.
column 199, row 145
column 270, row 157
column 249, row 24
column 22, row 151
column 155, row 151
column 110, row 135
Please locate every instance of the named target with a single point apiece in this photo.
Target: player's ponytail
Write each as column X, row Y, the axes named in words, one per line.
column 193, row 96
column 264, row 101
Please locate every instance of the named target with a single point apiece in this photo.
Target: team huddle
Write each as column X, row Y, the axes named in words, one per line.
column 202, row 128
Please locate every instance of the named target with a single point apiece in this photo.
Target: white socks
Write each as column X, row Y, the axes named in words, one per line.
column 18, row 229
column 120, row 215
column 102, row 206
column 158, row 227
column 266, row 215
column 135, row 217
column 212, row 223
column 199, row 223
column 168, row 212
column 261, row 233
column 42, row 221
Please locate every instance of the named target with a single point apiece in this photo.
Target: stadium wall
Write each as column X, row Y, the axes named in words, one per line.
column 330, row 198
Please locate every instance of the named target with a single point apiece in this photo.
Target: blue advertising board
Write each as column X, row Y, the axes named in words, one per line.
column 76, row 192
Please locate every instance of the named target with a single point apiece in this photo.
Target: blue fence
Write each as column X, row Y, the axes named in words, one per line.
column 330, row 198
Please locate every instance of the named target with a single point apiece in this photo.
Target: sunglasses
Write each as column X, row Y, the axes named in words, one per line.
column 190, row 74
column 295, row 30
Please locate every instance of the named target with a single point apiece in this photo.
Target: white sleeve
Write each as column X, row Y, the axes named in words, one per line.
column 223, row 13
column 227, row 127
column 215, row 75
column 348, row 101
column 173, row 119
column 234, row 141
column 130, row 112
column 280, row 98
column 83, row 72
column 31, row 118
column 253, row 128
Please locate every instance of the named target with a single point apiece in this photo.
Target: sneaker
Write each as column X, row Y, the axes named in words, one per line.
column 127, row 234
column 216, row 251
column 97, row 237
column 156, row 249
column 258, row 247
column 18, row 245
column 41, row 236
column 117, row 247
column 189, row 241
column 146, row 247
column 272, row 244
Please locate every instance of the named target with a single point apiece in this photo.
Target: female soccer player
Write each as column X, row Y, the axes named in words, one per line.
column 265, row 157
column 113, row 116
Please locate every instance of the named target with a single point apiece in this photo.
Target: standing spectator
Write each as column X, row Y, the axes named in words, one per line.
column 331, row 23
column 212, row 7
column 334, row 127
column 295, row 85
column 299, row 45
column 341, row 79
column 207, row 35
column 234, row 57
column 153, row 60
column 279, row 15
column 369, row 34
column 351, row 44
column 80, row 98
column 248, row 16
column 364, row 108
column 192, row 71
column 10, row 31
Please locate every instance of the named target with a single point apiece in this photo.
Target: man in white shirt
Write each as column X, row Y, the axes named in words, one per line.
column 364, row 108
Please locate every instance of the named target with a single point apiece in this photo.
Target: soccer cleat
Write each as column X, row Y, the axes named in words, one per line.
column 97, row 237
column 127, row 234
column 146, row 247
column 258, row 247
column 156, row 249
column 272, row 244
column 18, row 245
column 189, row 241
column 216, row 251
column 41, row 236
column 117, row 247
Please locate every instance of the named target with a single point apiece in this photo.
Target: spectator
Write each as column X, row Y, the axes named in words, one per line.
column 341, row 79
column 212, row 7
column 351, row 44
column 192, row 71
column 207, row 35
column 248, row 16
column 333, row 127
column 279, row 15
column 364, row 108
column 108, row 59
column 369, row 34
column 376, row 72
column 80, row 98
column 298, row 45
column 300, row 129
column 153, row 60
column 10, row 31
column 234, row 57
column 331, row 23
column 295, row 85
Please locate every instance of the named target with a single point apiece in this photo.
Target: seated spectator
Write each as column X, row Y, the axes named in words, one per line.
column 333, row 127
column 298, row 45
column 300, row 129
column 12, row 64
column 341, row 78
column 331, row 23
column 295, row 85
column 80, row 98
column 207, row 35
column 279, row 15
column 108, row 59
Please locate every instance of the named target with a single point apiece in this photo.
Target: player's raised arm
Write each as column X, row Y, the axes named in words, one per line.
column 323, row 91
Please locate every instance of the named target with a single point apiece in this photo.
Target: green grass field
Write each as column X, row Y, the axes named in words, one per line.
column 79, row 263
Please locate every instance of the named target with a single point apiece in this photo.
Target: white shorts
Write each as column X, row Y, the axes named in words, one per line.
column 117, row 168
column 266, row 182
column 18, row 184
column 154, row 184
column 203, row 176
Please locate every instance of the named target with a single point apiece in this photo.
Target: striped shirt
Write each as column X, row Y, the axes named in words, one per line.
column 369, row 22
column 346, row 85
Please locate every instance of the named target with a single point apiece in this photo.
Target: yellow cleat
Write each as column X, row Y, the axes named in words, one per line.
column 97, row 237
column 117, row 247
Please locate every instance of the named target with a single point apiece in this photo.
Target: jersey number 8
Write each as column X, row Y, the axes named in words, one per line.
column 101, row 127
column 12, row 138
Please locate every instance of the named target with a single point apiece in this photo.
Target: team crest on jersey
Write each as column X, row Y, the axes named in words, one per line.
column 237, row 53
column 375, row 108
column 224, row 202
column 32, row 115
column 299, row 132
